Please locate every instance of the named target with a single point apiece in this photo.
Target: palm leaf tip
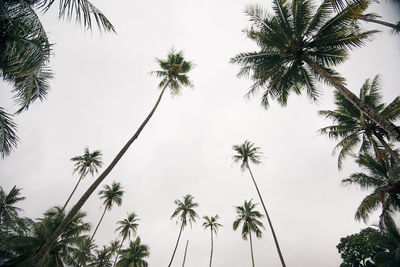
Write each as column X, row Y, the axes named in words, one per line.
column 8, row 133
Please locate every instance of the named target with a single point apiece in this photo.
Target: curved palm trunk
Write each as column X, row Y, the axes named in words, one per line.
column 52, row 239
column 176, row 246
column 251, row 249
column 73, row 191
column 212, row 246
column 120, row 246
column 389, row 127
column 387, row 147
column 381, row 22
column 184, row 256
column 268, row 218
column 97, row 227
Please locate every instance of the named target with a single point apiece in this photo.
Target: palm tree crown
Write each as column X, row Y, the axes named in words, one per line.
column 211, row 222
column 185, row 210
column 245, row 153
column 173, row 73
column 249, row 217
column 89, row 162
column 8, row 210
column 111, row 195
column 134, row 255
column 354, row 128
column 128, row 226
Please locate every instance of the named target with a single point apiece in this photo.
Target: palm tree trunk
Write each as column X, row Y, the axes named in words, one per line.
column 251, row 249
column 52, row 239
column 212, row 245
column 268, row 218
column 381, row 22
column 73, row 191
column 387, row 147
column 120, row 246
column 184, row 256
column 95, row 230
column 176, row 246
column 389, row 127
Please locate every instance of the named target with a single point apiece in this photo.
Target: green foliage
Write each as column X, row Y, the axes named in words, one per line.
column 111, row 194
column 89, row 162
column 211, row 222
column 128, row 226
column 296, row 34
column 353, row 128
column 246, row 152
column 185, row 210
column 248, row 216
column 134, row 255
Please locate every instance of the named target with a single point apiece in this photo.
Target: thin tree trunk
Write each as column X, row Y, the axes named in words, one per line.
column 381, row 22
column 120, row 246
column 73, row 191
column 268, row 218
column 212, row 246
column 387, row 147
column 389, row 127
column 251, row 249
column 52, row 239
column 176, row 246
column 184, row 256
column 95, row 230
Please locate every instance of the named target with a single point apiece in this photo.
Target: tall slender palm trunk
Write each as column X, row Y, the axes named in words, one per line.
column 212, row 245
column 184, row 256
column 268, row 218
column 119, row 248
column 386, row 125
column 73, row 191
column 176, row 246
column 380, row 22
column 52, row 239
column 97, row 227
column 251, row 249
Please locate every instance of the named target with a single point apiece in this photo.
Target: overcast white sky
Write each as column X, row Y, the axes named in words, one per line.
column 102, row 91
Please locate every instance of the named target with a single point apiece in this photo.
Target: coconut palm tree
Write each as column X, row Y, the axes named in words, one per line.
column 126, row 228
column 298, row 46
column 82, row 254
column 383, row 177
column 25, row 52
column 174, row 76
column 85, row 164
column 211, row 222
column 249, row 217
column 185, row 214
column 110, row 195
column 353, row 128
column 184, row 255
column 102, row 258
column 246, row 153
column 8, row 210
column 134, row 255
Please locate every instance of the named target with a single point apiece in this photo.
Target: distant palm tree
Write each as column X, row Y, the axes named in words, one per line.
column 353, row 128
column 113, row 248
column 247, row 215
column 8, row 210
column 211, row 222
column 110, row 195
column 85, row 164
column 174, row 73
column 126, row 228
column 102, row 258
column 82, row 253
column 383, row 178
column 185, row 213
column 245, row 153
column 134, row 255
column 298, row 46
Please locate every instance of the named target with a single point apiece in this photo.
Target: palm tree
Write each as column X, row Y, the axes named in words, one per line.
column 8, row 210
column 211, row 222
column 298, row 47
column 126, row 228
column 110, row 196
column 82, row 253
column 174, row 70
column 383, row 178
column 85, row 164
column 102, row 258
column 184, row 255
column 245, row 153
column 25, row 246
column 134, row 255
column 25, row 52
column 354, row 128
column 185, row 213
column 247, row 215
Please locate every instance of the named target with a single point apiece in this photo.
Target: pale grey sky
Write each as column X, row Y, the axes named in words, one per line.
column 102, row 91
